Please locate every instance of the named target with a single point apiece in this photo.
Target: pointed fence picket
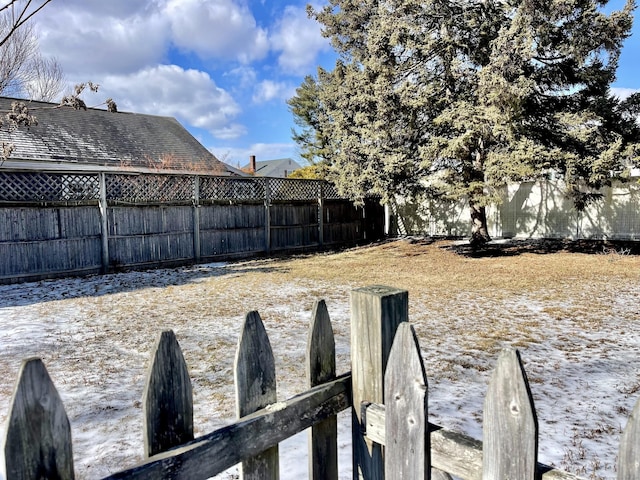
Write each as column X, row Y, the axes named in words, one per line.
column 405, row 396
column 255, row 375
column 321, row 368
column 38, row 435
column 387, row 389
column 168, row 398
column 510, row 427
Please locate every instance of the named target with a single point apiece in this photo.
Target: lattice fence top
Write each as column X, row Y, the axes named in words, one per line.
column 330, row 191
column 290, row 189
column 155, row 188
column 223, row 188
column 48, row 187
column 150, row 188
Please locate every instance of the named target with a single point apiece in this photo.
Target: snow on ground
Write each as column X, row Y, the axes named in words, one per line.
column 95, row 336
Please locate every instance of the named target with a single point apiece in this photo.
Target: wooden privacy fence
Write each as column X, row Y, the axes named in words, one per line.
column 56, row 224
column 391, row 436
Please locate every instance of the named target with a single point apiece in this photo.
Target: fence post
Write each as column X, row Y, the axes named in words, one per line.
column 196, row 218
column 321, row 368
column 267, row 215
column 407, row 451
column 167, row 399
column 321, row 213
column 255, row 379
column 510, row 427
column 629, row 455
column 37, row 441
column 104, row 221
column 376, row 312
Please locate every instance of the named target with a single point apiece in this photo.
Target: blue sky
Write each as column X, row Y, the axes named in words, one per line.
column 223, row 68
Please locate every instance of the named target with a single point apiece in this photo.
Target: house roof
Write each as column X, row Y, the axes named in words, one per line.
column 272, row 168
column 98, row 137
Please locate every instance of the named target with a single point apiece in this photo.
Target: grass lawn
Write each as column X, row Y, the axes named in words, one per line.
column 573, row 316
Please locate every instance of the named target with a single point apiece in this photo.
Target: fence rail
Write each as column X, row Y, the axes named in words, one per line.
column 387, row 390
column 55, row 224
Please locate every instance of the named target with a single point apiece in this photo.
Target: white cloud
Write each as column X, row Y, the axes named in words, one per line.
column 623, row 93
column 245, row 75
column 268, row 90
column 299, row 39
column 99, row 42
column 121, row 36
column 127, row 47
column 229, row 132
column 220, row 28
column 191, row 96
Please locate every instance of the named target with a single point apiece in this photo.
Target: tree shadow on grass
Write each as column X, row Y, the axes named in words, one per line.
column 28, row 293
column 513, row 247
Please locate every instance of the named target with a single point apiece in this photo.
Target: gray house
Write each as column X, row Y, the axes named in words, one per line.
column 280, row 168
column 95, row 139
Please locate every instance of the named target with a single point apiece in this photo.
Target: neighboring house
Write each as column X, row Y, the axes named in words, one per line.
column 280, row 168
column 94, row 139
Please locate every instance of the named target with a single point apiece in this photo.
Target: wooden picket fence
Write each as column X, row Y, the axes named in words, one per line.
column 391, row 436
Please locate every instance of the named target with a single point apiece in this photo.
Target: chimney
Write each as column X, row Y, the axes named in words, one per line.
column 252, row 163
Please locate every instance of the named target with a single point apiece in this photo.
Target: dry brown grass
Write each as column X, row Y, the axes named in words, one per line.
column 435, row 269
column 568, row 313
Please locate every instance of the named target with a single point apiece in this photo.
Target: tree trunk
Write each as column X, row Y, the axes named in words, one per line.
column 479, row 230
column 476, row 177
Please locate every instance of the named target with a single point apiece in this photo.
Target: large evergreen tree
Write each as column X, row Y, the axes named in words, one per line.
column 307, row 114
column 459, row 97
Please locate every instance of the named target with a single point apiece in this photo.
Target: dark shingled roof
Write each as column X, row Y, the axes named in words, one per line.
column 274, row 168
column 99, row 137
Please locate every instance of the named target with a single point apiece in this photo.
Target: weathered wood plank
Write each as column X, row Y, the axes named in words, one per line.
column 629, row 454
column 255, row 380
column 321, row 368
column 37, row 441
column 440, row 475
column 376, row 313
column 168, row 398
column 405, row 399
column 215, row 452
column 510, row 426
column 452, row 452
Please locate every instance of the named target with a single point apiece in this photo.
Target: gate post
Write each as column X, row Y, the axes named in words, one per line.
column 376, row 312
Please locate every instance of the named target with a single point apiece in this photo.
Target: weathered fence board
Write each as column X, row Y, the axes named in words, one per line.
column 36, row 240
column 149, row 220
column 33, row 224
column 405, row 398
column 376, row 313
column 294, row 226
column 38, row 436
column 341, row 220
column 153, row 249
column 224, row 217
column 255, row 380
column 232, row 242
column 133, row 220
column 510, row 426
column 168, row 399
column 452, row 452
column 629, row 456
column 21, row 261
column 213, row 453
column 321, row 368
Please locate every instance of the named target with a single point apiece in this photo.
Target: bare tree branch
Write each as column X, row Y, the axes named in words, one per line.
column 24, row 15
